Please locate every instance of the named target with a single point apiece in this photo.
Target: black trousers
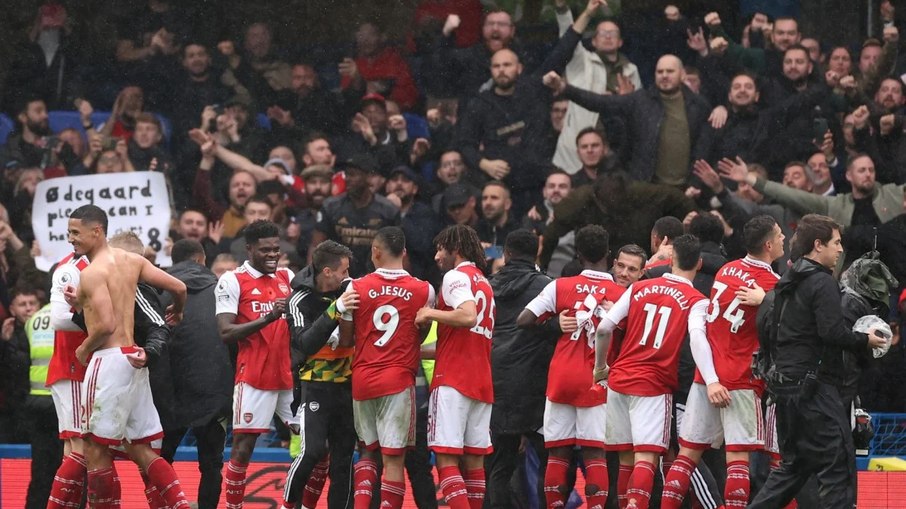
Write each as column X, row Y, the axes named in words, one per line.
column 815, row 439
column 501, row 464
column 326, row 425
column 210, row 438
column 46, row 448
column 418, row 465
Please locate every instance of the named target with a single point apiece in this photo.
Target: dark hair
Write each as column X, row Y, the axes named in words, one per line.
column 748, row 74
column 261, row 229
column 193, row 42
column 497, row 183
column 185, row 249
column 25, row 289
column 591, row 130
column 557, row 171
column 183, row 213
column 260, row 198
column 461, row 239
column 592, row 243
column 798, row 47
column 393, row 239
column 687, row 251
column 634, row 250
column 329, row 254
column 90, row 214
column 756, row 232
column 810, row 228
column 668, row 226
column 707, row 227
column 311, row 138
column 521, row 244
column 852, row 159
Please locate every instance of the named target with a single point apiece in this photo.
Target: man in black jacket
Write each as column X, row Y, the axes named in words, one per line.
column 202, row 372
column 324, row 370
column 502, row 133
column 808, row 354
column 664, row 124
column 518, row 399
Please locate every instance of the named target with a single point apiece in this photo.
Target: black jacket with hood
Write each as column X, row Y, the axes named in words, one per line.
column 519, row 357
column 309, row 326
column 813, row 334
column 199, row 360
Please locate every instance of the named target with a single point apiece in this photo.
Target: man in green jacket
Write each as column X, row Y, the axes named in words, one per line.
column 868, row 206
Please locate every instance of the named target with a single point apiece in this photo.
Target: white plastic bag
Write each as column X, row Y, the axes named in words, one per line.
column 873, row 321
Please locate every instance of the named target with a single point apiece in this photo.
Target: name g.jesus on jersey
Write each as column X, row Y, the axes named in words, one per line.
column 393, row 291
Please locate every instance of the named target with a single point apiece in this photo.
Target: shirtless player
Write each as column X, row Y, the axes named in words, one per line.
column 116, row 395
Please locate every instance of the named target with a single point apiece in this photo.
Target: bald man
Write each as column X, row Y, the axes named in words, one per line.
column 665, row 123
column 505, row 133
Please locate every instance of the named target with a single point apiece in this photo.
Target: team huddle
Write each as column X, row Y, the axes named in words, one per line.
column 610, row 385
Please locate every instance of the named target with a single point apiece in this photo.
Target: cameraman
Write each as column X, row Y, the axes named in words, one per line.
column 808, row 351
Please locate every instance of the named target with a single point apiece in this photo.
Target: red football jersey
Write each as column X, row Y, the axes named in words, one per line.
column 660, row 312
column 387, row 342
column 570, row 377
column 63, row 364
column 463, row 358
column 263, row 360
column 731, row 327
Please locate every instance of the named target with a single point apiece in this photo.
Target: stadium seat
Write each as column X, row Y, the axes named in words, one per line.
column 6, row 127
column 263, row 121
column 416, row 126
column 60, row 120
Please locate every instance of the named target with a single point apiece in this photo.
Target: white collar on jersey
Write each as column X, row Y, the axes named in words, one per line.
column 463, row 264
column 254, row 272
column 391, row 273
column 678, row 279
column 594, row 274
column 758, row 263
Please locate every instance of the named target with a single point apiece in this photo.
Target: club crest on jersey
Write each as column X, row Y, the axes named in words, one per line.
column 282, row 286
column 247, row 417
column 314, row 406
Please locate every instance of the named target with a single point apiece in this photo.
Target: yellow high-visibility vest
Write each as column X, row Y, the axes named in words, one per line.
column 40, row 341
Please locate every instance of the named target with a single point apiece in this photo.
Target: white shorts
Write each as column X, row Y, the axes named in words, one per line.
column 386, row 422
column 254, row 409
column 117, row 399
column 568, row 425
column 67, row 401
column 638, row 423
column 740, row 425
column 458, row 424
column 771, row 444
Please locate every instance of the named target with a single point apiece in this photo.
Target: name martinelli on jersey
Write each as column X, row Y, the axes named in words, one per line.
column 669, row 291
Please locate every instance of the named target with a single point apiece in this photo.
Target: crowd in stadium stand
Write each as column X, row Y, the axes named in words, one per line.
column 460, row 123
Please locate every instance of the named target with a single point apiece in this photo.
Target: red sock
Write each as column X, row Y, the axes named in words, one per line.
column 623, row 484
column 234, row 484
column 315, row 484
column 364, row 477
column 475, row 487
column 392, row 493
column 151, row 493
column 639, row 492
column 68, row 482
column 736, row 492
column 597, row 483
column 554, row 481
column 676, row 484
column 453, row 488
column 163, row 477
column 103, row 489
